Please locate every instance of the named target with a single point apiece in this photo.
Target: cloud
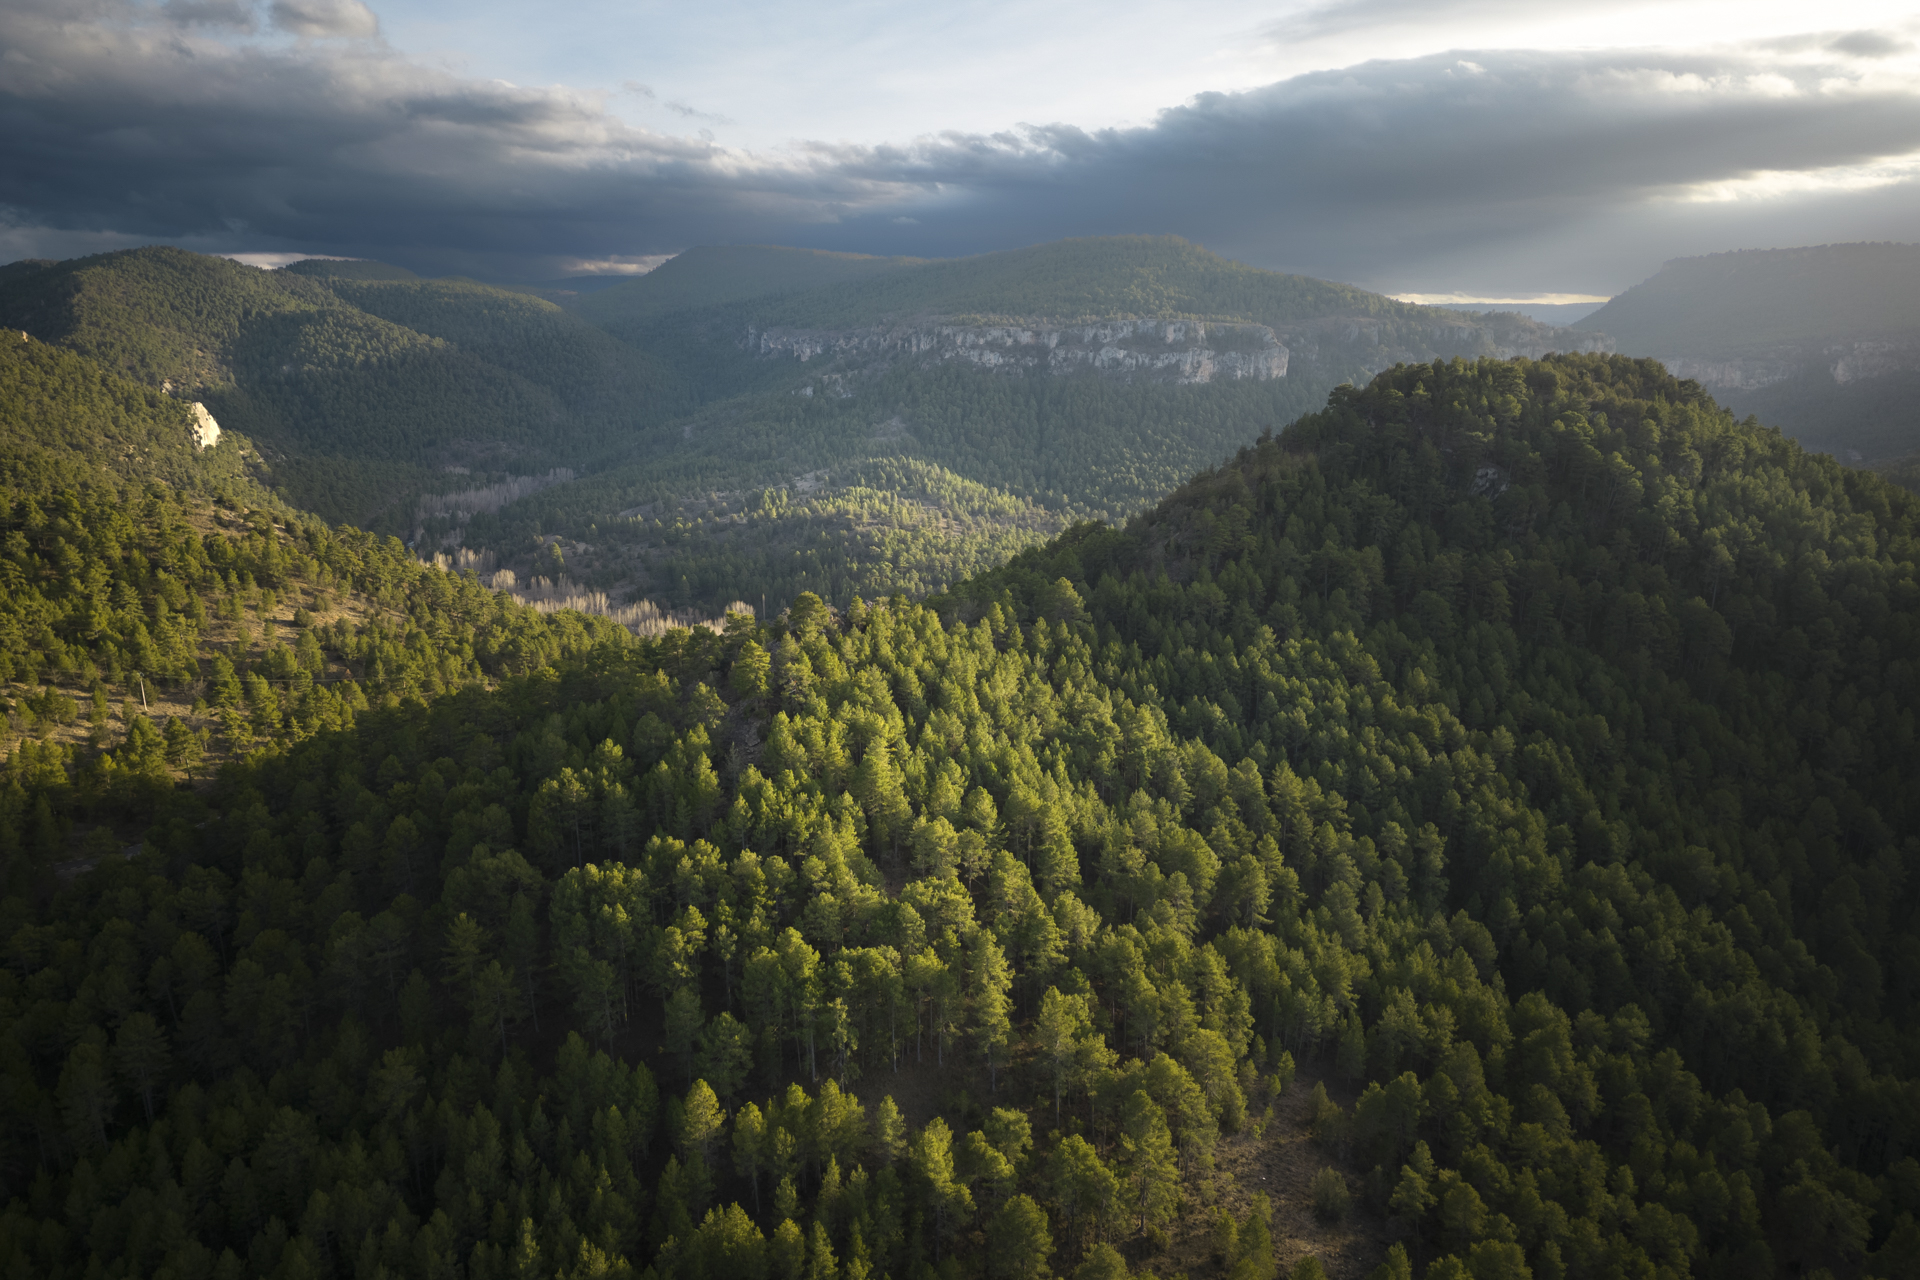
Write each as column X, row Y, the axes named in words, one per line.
column 680, row 109
column 274, row 261
column 1511, row 164
column 1340, row 16
column 235, row 14
column 618, row 265
column 1868, row 44
column 347, row 18
column 1503, row 173
column 136, row 127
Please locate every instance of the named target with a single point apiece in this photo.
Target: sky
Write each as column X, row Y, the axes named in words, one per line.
column 1453, row 151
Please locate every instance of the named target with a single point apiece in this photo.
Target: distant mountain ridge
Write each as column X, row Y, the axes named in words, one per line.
column 361, row 380
column 1823, row 341
column 998, row 310
column 709, row 275
column 745, row 420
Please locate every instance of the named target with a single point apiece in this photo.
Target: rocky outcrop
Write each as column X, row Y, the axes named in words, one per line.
column 206, row 432
column 1180, row 351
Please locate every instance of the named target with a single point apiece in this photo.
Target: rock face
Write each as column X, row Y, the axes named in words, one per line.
column 1844, row 362
column 1179, row 351
column 206, row 432
column 1174, row 351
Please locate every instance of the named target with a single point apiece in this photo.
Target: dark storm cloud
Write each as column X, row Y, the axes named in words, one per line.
column 1383, row 168
column 138, row 124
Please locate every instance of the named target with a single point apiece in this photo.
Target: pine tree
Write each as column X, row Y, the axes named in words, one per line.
column 821, row 1264
column 992, row 980
column 1083, row 1187
column 750, row 670
column 702, row 1123
column 86, row 1097
column 750, row 1147
column 141, row 1054
column 947, row 1200
column 1019, row 1241
column 1058, row 1029
column 889, row 1132
column 1153, row 1172
column 788, row 1252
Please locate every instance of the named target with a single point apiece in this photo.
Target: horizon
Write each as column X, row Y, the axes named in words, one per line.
column 1555, row 309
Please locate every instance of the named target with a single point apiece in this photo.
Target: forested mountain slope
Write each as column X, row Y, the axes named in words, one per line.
column 752, row 496
column 360, row 384
column 1904, row 472
column 162, row 611
column 1685, row 649
column 1823, row 341
column 454, row 413
column 65, row 422
column 1520, row 749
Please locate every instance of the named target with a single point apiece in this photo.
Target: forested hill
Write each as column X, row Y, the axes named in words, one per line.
column 1498, row 779
column 161, row 611
column 360, row 382
column 1679, row 649
column 67, row 423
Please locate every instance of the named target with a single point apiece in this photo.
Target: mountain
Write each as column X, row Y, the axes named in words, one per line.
column 819, row 371
column 744, row 422
column 1051, row 292
column 67, row 423
column 361, row 384
column 348, row 269
column 1904, row 472
column 711, row 275
column 1469, row 825
column 146, row 566
column 1822, row 341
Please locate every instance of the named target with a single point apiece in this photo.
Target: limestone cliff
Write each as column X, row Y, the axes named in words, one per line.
column 1168, row 350
column 1843, row 362
column 1182, row 351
